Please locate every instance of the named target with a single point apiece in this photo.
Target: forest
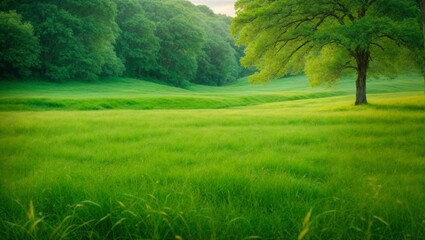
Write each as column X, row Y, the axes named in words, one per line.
column 172, row 41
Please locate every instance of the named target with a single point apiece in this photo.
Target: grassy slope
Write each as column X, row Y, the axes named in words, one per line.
column 136, row 94
column 252, row 171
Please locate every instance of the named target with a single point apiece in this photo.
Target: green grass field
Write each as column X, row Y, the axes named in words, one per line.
column 274, row 161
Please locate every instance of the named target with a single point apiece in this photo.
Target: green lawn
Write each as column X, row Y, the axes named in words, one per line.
column 237, row 162
column 137, row 95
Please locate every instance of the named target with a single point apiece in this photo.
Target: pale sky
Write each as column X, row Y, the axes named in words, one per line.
column 218, row 6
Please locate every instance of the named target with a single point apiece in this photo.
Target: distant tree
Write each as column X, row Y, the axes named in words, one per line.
column 181, row 39
column 181, row 42
column 195, row 44
column 206, row 10
column 218, row 62
column 422, row 7
column 422, row 58
column 328, row 38
column 137, row 44
column 19, row 48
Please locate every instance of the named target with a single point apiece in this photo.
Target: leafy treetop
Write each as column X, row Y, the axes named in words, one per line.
column 328, row 39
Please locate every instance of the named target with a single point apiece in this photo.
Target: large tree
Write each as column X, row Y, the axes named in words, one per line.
column 328, row 38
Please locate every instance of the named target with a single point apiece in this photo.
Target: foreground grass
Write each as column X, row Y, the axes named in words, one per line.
column 246, row 173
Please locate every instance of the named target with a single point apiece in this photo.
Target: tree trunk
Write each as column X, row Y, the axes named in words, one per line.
column 362, row 59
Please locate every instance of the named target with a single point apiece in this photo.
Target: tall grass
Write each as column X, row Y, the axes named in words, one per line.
column 216, row 174
column 309, row 168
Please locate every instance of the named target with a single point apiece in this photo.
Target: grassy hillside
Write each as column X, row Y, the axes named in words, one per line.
column 253, row 169
column 137, row 94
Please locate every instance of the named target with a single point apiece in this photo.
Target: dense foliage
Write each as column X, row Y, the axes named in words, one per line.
column 171, row 40
column 19, row 48
column 328, row 38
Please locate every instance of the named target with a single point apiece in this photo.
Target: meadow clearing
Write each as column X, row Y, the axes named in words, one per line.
column 139, row 160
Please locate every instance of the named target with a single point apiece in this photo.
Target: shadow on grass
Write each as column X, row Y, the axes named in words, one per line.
column 398, row 107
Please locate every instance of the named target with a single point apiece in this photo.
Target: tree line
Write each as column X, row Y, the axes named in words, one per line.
column 170, row 40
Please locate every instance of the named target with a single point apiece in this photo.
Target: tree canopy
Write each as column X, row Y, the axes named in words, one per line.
column 328, row 39
column 76, row 36
column 19, row 48
column 170, row 40
column 137, row 45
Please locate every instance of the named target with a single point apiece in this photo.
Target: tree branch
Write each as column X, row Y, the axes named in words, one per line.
column 296, row 49
column 396, row 41
column 379, row 46
column 344, row 10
